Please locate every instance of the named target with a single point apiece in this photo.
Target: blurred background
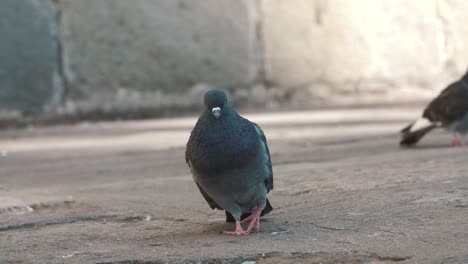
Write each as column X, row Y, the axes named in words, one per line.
column 331, row 82
column 67, row 59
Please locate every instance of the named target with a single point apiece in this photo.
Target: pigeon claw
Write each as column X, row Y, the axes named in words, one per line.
column 255, row 219
column 239, row 231
column 236, row 233
column 255, row 222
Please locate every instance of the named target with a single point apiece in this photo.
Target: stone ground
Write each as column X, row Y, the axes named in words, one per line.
column 345, row 192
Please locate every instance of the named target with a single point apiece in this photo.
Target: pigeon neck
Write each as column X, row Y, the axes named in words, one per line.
column 226, row 112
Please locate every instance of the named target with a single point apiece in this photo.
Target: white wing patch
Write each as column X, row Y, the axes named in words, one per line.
column 420, row 123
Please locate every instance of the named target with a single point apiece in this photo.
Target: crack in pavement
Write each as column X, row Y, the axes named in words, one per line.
column 277, row 257
column 36, row 207
column 74, row 219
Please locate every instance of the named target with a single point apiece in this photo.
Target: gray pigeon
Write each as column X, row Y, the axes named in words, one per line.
column 230, row 162
column 448, row 110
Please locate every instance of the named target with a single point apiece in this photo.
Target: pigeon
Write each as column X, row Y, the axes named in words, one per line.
column 229, row 159
column 448, row 110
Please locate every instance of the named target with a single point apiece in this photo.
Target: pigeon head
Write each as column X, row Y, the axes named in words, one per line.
column 215, row 101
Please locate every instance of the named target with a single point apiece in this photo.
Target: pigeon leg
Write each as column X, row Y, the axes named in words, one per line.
column 239, row 231
column 250, row 217
column 255, row 219
column 457, row 142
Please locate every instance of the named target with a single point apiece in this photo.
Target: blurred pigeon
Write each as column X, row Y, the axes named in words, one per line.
column 230, row 162
column 448, row 110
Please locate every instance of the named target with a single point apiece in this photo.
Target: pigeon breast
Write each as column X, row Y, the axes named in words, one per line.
column 222, row 145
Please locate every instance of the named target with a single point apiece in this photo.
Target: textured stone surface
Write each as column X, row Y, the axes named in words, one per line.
column 163, row 45
column 344, row 193
column 364, row 47
column 28, row 56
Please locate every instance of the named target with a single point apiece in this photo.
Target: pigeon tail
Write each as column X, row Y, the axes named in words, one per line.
column 412, row 133
column 268, row 208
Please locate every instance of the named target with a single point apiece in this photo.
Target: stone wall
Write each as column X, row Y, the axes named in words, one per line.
column 149, row 45
column 29, row 68
column 339, row 50
column 67, row 57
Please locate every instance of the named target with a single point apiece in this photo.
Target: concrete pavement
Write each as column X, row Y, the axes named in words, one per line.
column 344, row 192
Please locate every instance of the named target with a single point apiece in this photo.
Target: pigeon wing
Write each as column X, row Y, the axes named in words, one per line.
column 451, row 105
column 208, row 199
column 261, row 135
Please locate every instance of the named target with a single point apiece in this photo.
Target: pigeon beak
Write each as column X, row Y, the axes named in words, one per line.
column 216, row 112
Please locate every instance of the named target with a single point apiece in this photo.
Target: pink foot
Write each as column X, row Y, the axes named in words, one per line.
column 457, row 142
column 239, row 231
column 255, row 222
column 248, row 218
column 255, row 219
